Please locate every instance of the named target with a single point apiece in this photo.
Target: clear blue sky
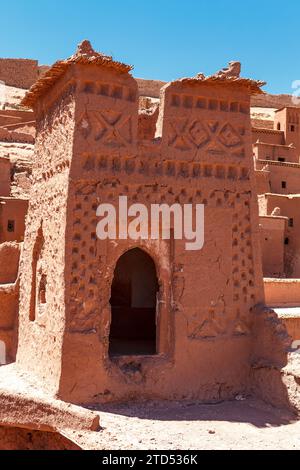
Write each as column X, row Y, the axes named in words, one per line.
column 163, row 39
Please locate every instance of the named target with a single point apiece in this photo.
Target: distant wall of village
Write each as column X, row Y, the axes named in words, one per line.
column 20, row 73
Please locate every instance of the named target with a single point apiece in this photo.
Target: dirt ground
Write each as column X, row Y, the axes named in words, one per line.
column 239, row 424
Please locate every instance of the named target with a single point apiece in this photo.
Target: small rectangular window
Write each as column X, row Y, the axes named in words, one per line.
column 188, row 101
column 213, row 104
column 292, row 128
column 291, row 222
column 283, row 184
column 286, row 241
column 281, row 159
column 10, row 225
column 234, row 106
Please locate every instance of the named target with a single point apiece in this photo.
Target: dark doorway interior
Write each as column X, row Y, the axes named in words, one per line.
column 133, row 305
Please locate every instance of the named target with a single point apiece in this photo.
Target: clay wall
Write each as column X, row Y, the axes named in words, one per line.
column 262, row 178
column 280, row 153
column 272, row 231
column 148, row 114
column 149, row 87
column 283, row 178
column 267, row 136
column 42, row 262
column 9, row 262
column 16, row 136
column 292, row 324
column 288, row 120
column 265, row 100
column 19, row 73
column 290, row 208
column 9, row 296
column 4, row 176
column 282, row 292
column 12, row 219
column 13, row 117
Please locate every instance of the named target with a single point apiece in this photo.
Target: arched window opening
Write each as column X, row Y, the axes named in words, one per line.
column 133, row 305
column 36, row 254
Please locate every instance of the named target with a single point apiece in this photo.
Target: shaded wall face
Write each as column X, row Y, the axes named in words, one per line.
column 268, row 136
column 262, row 180
column 9, row 262
column 42, row 266
column 20, row 73
column 205, row 297
column 289, row 119
column 282, row 293
column 272, row 232
column 277, row 178
column 4, row 177
column 9, row 294
column 284, row 180
column 289, row 207
column 12, row 219
column 277, row 153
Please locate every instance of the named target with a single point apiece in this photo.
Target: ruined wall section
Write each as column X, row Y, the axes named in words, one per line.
column 19, row 73
column 42, row 286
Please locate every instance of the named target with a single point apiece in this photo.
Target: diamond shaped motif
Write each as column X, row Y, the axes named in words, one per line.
column 199, row 134
column 229, row 137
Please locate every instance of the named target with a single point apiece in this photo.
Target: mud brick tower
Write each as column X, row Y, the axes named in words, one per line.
column 116, row 319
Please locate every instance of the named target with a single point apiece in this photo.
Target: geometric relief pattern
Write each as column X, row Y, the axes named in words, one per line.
column 188, row 134
column 169, row 168
column 242, row 268
column 109, row 127
column 236, row 322
column 228, row 136
column 84, row 264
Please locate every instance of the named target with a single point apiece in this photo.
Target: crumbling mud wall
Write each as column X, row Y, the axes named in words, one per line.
column 271, row 344
column 19, row 73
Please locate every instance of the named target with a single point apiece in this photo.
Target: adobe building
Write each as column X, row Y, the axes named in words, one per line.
column 17, row 131
column 12, row 228
column 109, row 320
column 117, row 319
column 277, row 154
column 276, row 146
